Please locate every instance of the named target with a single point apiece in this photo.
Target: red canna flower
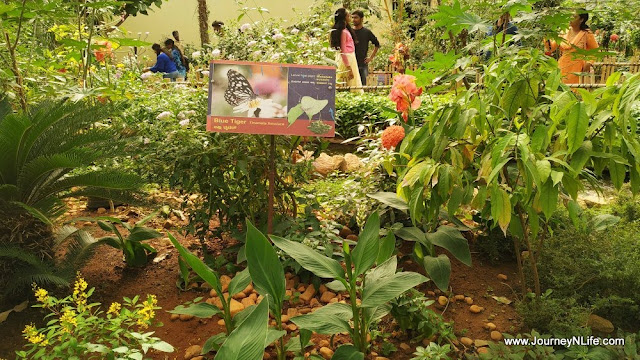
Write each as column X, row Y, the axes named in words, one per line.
column 405, row 94
column 392, row 136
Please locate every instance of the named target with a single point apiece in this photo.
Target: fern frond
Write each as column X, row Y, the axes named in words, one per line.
column 31, row 260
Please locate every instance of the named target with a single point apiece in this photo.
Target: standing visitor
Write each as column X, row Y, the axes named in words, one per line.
column 578, row 36
column 176, row 56
column 164, row 64
column 342, row 39
column 364, row 36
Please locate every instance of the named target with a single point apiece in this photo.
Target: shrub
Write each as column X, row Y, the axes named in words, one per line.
column 372, row 110
column 599, row 269
column 79, row 329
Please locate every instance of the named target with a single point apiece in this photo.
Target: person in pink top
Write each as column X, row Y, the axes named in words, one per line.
column 342, row 38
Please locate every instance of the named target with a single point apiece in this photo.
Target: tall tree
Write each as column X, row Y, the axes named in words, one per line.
column 203, row 21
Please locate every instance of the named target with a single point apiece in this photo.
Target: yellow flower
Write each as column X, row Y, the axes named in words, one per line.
column 68, row 320
column 29, row 330
column 36, row 339
column 42, row 295
column 79, row 294
column 120, row 66
column 114, row 308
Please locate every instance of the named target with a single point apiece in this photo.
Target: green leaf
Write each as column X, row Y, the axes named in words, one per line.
column 390, row 199
column 387, row 247
column 247, row 341
column 239, row 282
column 604, row 221
column 577, row 124
column 544, row 169
column 451, row 239
column 501, row 208
column 438, row 269
column 265, row 267
column 161, row 346
column 365, row 253
column 273, row 335
column 497, row 169
column 294, row 113
column 574, row 212
column 198, row 266
column 618, row 173
column 320, row 265
column 213, row 343
column 548, row 198
column 412, row 234
column 389, row 288
column 347, row 352
column 312, row 106
column 328, row 320
column 386, row 269
column 517, row 95
column 200, row 310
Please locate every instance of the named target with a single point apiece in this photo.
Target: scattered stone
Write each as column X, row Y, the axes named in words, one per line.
column 326, row 164
column 381, row 358
column 431, row 293
column 221, row 322
column 466, row 341
column 246, row 302
column 476, row 309
column 284, row 318
column 101, row 211
column 314, row 303
column 322, row 289
column 198, row 358
column 459, row 297
column 290, row 284
column 405, row 347
column 326, row 352
column 490, row 326
column 324, row 343
column 168, row 224
column 426, row 342
column 301, row 288
column 480, row 343
column 266, row 356
column 235, row 307
column 351, row 163
column 352, row 237
column 345, row 231
column 600, row 324
column 292, row 312
column 292, row 327
column 248, row 289
column 502, row 277
column 185, row 317
column 468, row 300
column 303, row 311
column 192, row 351
column 239, row 296
column 442, row 300
column 483, row 350
column 175, row 317
column 327, row 296
column 496, row 335
column 253, row 297
column 308, row 293
column 335, row 300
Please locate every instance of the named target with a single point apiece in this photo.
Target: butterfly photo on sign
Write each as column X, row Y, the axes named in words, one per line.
column 253, row 91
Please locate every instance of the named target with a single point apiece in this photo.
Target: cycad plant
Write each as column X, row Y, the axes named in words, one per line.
column 49, row 153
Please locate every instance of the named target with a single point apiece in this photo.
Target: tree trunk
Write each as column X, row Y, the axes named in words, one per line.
column 203, row 21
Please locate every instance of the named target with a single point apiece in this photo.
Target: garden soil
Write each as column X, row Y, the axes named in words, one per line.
column 106, row 272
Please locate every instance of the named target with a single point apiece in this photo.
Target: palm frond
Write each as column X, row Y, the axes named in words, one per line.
column 45, row 279
column 13, row 128
column 105, row 180
column 27, row 258
column 8, row 192
column 34, row 173
column 35, row 211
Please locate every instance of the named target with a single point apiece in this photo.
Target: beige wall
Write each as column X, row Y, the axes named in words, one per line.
column 182, row 15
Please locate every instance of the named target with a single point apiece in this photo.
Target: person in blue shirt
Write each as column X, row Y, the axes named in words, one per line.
column 178, row 59
column 164, row 64
column 503, row 26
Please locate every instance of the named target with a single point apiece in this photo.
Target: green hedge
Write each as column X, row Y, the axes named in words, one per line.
column 353, row 110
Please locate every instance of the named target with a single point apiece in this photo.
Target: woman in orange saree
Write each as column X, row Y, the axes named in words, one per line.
column 578, row 36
